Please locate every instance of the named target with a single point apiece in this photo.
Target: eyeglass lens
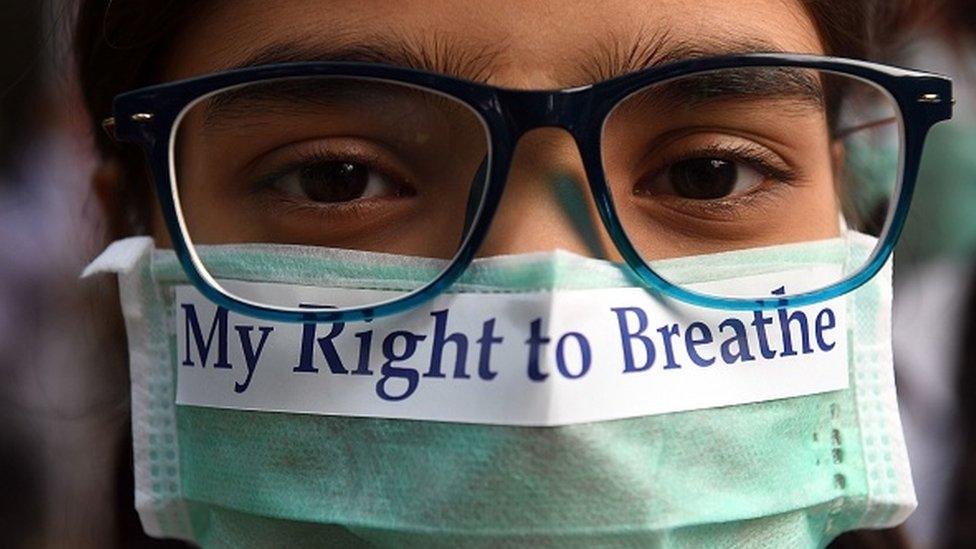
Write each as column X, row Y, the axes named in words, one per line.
column 750, row 158
column 712, row 162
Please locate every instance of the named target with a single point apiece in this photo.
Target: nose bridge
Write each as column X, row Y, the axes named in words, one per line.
column 546, row 204
column 527, row 110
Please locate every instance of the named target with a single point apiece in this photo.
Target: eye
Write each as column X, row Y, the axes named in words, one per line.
column 334, row 182
column 702, row 178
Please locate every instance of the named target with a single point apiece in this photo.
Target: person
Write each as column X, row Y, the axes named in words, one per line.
column 322, row 168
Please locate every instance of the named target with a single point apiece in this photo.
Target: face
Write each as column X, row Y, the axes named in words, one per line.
column 385, row 167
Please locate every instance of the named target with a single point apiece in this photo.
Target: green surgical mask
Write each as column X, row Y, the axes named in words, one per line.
column 769, row 470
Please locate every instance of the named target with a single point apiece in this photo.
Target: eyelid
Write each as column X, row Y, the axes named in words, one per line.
column 757, row 158
column 661, row 142
column 725, row 209
column 286, row 158
column 726, row 146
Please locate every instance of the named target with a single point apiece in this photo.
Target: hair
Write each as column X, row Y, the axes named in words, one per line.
column 119, row 45
column 20, row 80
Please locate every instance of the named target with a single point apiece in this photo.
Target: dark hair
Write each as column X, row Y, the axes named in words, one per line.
column 20, row 80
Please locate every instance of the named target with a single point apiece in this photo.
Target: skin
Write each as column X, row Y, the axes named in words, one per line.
column 527, row 45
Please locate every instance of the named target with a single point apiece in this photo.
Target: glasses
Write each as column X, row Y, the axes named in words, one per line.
column 703, row 156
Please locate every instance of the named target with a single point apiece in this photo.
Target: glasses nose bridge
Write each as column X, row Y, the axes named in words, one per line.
column 527, row 110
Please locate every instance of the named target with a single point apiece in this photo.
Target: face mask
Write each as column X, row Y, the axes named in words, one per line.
column 630, row 423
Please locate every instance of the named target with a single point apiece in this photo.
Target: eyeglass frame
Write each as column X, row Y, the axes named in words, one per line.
column 150, row 117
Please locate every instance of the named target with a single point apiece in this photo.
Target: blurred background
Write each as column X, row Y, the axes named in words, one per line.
column 62, row 400
column 65, row 472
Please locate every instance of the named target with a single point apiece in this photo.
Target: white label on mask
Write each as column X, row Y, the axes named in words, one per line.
column 542, row 358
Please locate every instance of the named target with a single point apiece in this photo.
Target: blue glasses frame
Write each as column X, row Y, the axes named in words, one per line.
column 149, row 117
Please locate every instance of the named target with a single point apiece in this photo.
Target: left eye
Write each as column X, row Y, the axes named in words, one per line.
column 333, row 182
column 702, row 179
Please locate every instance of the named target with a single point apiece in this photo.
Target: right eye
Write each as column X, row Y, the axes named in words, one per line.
column 704, row 178
column 335, row 182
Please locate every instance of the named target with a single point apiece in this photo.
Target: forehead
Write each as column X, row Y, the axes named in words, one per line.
column 521, row 44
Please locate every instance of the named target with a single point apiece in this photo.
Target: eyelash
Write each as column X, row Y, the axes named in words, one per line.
column 756, row 158
column 373, row 162
column 305, row 157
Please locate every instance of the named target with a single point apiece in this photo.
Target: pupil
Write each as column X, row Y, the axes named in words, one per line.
column 334, row 181
column 703, row 178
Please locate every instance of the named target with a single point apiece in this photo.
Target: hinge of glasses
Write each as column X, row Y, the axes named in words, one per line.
column 110, row 126
column 931, row 98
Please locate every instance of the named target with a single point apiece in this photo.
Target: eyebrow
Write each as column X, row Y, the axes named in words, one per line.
column 799, row 87
column 284, row 96
column 616, row 55
column 293, row 96
column 613, row 55
column 437, row 53
column 609, row 56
